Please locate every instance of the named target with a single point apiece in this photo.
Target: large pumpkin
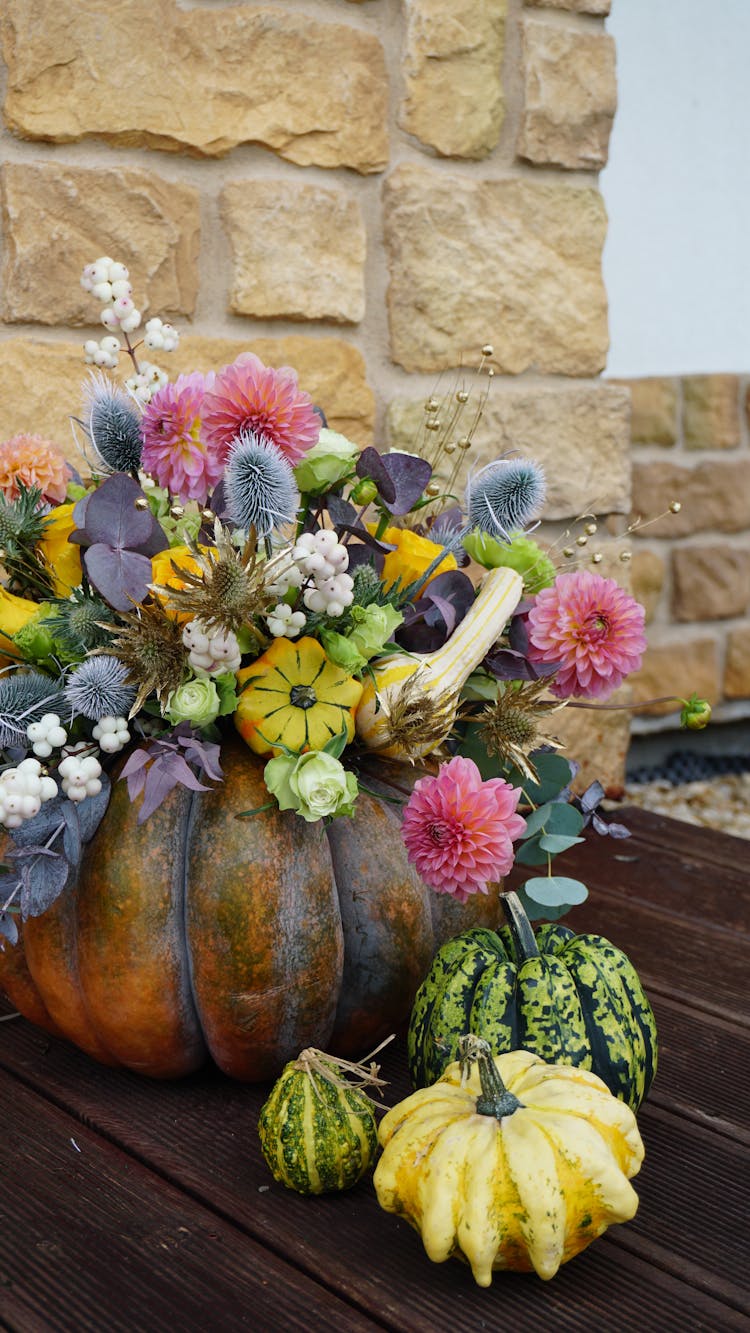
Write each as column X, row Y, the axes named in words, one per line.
column 197, row 934
column 571, row 999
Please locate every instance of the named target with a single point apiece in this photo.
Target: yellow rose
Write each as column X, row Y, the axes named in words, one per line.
column 163, row 573
column 15, row 612
column 411, row 558
column 62, row 556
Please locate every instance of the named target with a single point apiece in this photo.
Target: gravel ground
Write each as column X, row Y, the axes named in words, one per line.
column 722, row 803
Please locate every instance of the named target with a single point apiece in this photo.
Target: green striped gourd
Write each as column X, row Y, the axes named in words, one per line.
column 571, row 999
column 317, row 1131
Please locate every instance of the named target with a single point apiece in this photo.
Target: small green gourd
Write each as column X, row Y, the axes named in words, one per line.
column 317, row 1130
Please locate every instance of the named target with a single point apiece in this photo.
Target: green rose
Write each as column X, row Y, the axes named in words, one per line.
column 329, row 461
column 315, row 785
column 197, row 702
column 521, row 554
column 373, row 627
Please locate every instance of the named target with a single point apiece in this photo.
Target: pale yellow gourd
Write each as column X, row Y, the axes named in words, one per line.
column 520, row 1166
column 440, row 673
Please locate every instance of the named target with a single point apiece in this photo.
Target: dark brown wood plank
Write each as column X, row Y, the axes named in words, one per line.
column 365, row 1256
column 93, row 1240
column 712, row 847
column 704, row 1068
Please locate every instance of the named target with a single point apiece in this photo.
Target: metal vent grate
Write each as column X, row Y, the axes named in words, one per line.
column 689, row 766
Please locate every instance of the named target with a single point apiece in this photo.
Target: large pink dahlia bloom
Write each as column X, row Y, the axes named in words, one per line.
column 174, row 452
column 459, row 830
column 593, row 628
column 35, row 462
column 248, row 396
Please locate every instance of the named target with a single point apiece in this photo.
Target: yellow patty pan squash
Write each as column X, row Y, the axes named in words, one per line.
column 294, row 696
column 516, row 1165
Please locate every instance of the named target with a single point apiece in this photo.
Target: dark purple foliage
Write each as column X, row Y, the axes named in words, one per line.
column 588, row 805
column 181, row 757
column 432, row 619
column 120, row 539
column 400, row 478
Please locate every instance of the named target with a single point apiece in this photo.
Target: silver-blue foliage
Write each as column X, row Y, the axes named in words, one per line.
column 98, row 688
column 503, row 497
column 259, row 485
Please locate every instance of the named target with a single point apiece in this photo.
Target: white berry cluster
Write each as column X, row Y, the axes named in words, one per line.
column 290, row 577
column 144, row 385
column 284, row 623
column 80, row 773
column 111, row 733
column 160, row 337
column 23, row 791
column 103, row 353
column 109, row 282
column 211, row 654
column 324, row 560
column 46, row 735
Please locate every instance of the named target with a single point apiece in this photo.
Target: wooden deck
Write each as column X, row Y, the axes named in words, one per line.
column 130, row 1205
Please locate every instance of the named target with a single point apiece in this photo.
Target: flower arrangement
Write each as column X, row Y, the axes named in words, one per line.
column 226, row 562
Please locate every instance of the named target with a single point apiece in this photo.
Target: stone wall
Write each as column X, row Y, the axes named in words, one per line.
column 372, row 191
column 691, row 446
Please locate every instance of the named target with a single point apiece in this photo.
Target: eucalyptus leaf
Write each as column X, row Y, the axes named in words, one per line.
column 43, row 882
column 556, row 891
column 8, row 928
column 530, row 853
column 535, row 911
column 91, row 811
column 554, row 843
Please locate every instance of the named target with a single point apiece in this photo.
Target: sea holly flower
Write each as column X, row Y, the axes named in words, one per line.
column 593, row 628
column 506, row 495
column 315, row 785
column 459, row 830
column 259, row 485
column 249, row 396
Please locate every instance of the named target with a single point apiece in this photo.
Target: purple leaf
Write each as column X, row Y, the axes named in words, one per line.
column 42, row 882
column 122, row 577
column 110, row 514
column 370, row 464
column 361, row 554
column 409, row 476
column 71, row 832
column 8, row 929
column 340, row 511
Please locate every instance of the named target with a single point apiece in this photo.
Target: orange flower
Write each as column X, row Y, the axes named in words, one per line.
column 412, row 557
column 163, row 574
column 35, row 462
column 62, row 556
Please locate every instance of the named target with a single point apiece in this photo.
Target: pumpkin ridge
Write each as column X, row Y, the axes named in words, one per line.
column 191, row 815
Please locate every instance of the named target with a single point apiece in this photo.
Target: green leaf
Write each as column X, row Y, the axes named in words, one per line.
column 535, row 911
column 336, row 745
column 553, row 772
column 537, row 820
column 530, row 853
column 564, row 819
column 226, row 688
column 556, row 891
column 554, row 843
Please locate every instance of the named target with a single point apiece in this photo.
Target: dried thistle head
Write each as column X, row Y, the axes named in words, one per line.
column 418, row 721
column 150, row 647
column 227, row 591
column 513, row 726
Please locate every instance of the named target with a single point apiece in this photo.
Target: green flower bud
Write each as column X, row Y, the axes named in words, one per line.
column 364, row 492
column 197, row 701
column 696, row 713
column 314, row 785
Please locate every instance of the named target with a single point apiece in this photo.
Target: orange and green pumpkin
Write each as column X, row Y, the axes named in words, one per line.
column 197, row 934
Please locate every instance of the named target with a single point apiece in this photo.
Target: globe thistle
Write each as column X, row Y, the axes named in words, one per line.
column 99, row 688
column 149, row 649
column 112, row 423
column 504, row 496
column 259, row 485
column 25, row 696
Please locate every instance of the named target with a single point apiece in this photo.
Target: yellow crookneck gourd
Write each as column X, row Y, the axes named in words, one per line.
column 438, row 676
column 515, row 1165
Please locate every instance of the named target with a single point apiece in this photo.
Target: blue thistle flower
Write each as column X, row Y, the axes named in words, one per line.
column 99, row 688
column 504, row 496
column 259, row 485
column 113, row 425
column 25, row 696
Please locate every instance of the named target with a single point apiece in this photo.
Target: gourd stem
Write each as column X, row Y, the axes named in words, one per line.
column 520, row 928
column 495, row 1098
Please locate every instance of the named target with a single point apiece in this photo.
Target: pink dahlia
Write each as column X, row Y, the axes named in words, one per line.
column 459, row 830
column 248, row 396
column 174, row 453
column 35, row 462
column 593, row 628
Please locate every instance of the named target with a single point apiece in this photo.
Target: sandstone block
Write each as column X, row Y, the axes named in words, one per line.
column 598, row 741
column 737, row 667
column 452, row 73
column 569, row 96
column 314, row 92
column 710, row 582
column 512, row 262
column 713, row 495
column 150, row 224
column 677, row 666
column 284, row 265
column 587, row 426
column 648, row 572
column 577, row 6
column 40, row 382
column 653, row 416
column 711, row 411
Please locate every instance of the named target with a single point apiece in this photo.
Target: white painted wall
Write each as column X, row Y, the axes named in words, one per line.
column 677, row 188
